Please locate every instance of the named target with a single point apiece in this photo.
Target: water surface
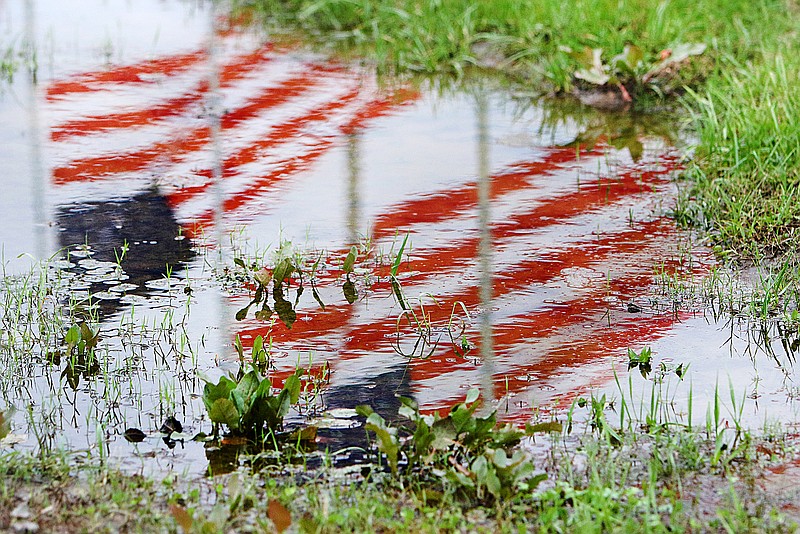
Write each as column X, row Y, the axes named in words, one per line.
column 149, row 152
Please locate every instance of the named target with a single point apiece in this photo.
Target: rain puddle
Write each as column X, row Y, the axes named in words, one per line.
column 528, row 242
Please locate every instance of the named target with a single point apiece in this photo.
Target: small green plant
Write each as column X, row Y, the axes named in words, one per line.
column 642, row 360
column 599, row 422
column 248, row 406
column 282, row 272
column 259, row 354
column 469, row 453
column 79, row 353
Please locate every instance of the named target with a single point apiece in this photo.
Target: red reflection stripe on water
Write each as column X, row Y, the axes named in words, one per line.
column 89, row 82
column 291, row 166
column 447, row 204
column 431, row 265
column 280, row 133
column 168, row 108
column 186, row 144
column 358, row 340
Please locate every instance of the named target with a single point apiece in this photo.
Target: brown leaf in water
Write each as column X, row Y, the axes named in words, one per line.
column 279, row 515
column 182, row 517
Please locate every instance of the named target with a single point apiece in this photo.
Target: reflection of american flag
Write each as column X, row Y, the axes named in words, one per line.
column 568, row 257
column 560, row 290
column 132, row 125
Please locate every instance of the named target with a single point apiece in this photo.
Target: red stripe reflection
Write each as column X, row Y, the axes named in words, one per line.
column 537, row 340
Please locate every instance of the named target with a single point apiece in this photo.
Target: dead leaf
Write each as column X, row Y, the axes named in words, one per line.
column 279, row 515
column 182, row 517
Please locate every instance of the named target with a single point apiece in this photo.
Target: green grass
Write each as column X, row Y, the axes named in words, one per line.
column 440, row 36
column 662, row 478
column 743, row 102
column 746, row 172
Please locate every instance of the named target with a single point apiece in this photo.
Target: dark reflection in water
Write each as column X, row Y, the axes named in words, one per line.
column 143, row 223
column 380, row 391
column 346, row 445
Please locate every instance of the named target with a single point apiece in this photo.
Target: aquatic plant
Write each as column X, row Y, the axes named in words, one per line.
column 468, row 453
column 81, row 341
column 247, row 405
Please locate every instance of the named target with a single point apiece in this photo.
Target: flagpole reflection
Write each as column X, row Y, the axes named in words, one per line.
column 485, row 248
column 38, row 207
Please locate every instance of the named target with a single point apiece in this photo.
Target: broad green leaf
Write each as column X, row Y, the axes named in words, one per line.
column 292, row 385
column 89, row 337
column 387, row 440
column 73, row 336
column 283, row 270
column 264, row 389
column 484, row 426
column 444, row 434
column 533, row 482
column 407, row 412
column 480, row 467
column 461, row 418
column 492, row 482
column 224, row 412
column 500, row 459
column 221, row 390
column 461, row 479
column 244, row 393
column 240, row 263
column 472, row 395
column 507, row 436
column 350, row 260
column 364, row 410
column 258, row 346
column 411, row 403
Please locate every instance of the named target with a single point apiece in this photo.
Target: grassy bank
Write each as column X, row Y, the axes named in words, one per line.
column 661, row 479
column 742, row 102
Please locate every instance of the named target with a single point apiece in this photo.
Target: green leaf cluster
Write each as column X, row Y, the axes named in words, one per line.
column 463, row 451
column 248, row 406
column 284, row 269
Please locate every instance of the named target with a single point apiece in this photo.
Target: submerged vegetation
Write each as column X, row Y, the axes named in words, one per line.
column 741, row 96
